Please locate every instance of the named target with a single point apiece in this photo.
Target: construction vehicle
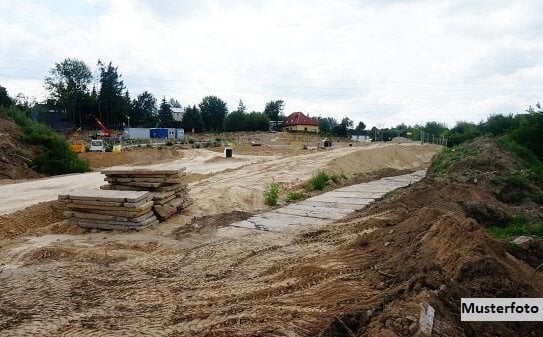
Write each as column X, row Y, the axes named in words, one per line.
column 77, row 145
column 97, row 145
column 104, row 130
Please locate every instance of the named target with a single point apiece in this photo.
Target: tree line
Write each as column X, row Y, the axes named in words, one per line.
column 72, row 93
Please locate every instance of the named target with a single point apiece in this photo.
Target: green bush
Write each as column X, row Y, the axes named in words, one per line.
column 319, row 180
column 169, row 143
column 57, row 157
column 271, row 194
column 295, row 196
column 191, row 141
column 519, row 226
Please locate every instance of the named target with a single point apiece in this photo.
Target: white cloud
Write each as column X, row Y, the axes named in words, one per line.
column 380, row 62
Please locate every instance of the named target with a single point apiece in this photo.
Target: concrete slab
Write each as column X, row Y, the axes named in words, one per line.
column 358, row 195
column 337, row 205
column 313, row 208
column 105, row 195
column 310, row 214
column 327, row 207
column 328, row 198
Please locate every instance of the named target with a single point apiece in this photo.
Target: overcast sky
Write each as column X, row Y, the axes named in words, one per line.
column 382, row 62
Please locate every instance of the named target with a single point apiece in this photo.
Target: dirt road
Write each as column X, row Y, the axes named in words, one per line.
column 21, row 195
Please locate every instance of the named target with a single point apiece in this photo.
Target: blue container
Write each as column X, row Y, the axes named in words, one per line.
column 161, row 133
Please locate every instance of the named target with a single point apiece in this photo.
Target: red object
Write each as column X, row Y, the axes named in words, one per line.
column 106, row 131
column 298, row 118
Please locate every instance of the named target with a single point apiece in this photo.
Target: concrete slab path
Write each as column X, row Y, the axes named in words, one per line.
column 328, row 207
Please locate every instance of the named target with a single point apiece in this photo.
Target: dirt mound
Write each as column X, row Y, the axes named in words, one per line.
column 431, row 252
column 488, row 163
column 30, row 219
column 15, row 157
column 399, row 140
column 136, row 156
column 397, row 157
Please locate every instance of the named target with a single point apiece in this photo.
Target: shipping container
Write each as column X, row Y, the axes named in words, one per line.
column 161, row 133
column 136, row 133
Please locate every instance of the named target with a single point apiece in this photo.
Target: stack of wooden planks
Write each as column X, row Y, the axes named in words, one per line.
column 167, row 187
column 110, row 209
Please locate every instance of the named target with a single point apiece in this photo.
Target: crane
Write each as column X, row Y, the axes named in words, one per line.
column 104, row 128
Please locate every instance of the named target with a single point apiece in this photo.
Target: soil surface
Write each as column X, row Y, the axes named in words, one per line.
column 192, row 276
column 135, row 156
column 15, row 162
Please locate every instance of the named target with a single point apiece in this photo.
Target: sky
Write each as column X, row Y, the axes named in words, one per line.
column 381, row 62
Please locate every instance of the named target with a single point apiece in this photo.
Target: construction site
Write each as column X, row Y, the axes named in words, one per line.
column 177, row 241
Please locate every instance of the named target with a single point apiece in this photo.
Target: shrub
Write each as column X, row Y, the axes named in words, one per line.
column 319, row 180
column 519, row 226
column 271, row 194
column 539, row 198
column 191, row 141
column 169, row 143
column 295, row 196
column 57, row 157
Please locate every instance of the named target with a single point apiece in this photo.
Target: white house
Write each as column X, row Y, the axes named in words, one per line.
column 360, row 136
column 177, row 114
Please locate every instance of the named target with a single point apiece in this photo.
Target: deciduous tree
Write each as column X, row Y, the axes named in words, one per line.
column 213, row 111
column 68, row 83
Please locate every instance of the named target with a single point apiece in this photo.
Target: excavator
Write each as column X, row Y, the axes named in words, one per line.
column 97, row 145
column 78, row 145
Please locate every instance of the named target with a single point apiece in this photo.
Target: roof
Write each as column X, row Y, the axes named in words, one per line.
column 298, row 118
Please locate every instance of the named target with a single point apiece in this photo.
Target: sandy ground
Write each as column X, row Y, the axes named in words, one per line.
column 185, row 276
column 20, row 195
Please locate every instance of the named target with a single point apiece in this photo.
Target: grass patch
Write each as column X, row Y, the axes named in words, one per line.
column 443, row 162
column 319, row 180
column 520, row 225
column 271, row 194
column 56, row 158
column 528, row 158
column 295, row 196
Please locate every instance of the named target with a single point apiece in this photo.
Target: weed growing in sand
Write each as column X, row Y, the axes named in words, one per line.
column 319, row 180
column 295, row 196
column 520, row 225
column 271, row 194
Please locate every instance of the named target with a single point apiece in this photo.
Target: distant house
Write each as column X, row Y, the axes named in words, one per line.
column 177, row 114
column 297, row 121
column 360, row 136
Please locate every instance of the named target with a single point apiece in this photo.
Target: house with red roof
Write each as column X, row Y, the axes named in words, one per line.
column 297, row 121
